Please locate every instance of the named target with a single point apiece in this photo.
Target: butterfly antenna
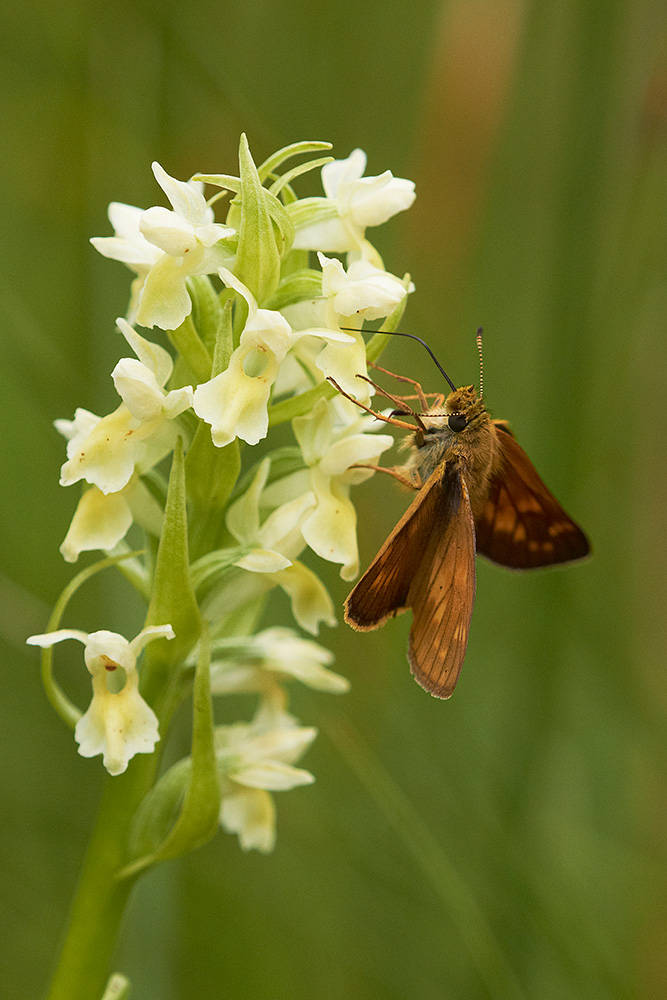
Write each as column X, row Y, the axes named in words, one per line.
column 478, row 339
column 399, row 333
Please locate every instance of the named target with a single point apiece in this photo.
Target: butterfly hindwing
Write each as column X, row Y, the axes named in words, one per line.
column 442, row 594
column 522, row 525
column 427, row 564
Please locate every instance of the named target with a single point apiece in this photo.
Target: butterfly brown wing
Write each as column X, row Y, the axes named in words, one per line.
column 382, row 591
column 427, row 564
column 442, row 593
column 522, row 525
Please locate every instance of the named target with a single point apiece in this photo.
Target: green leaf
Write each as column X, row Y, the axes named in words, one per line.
column 295, row 287
column 212, row 474
column 282, row 220
column 173, row 599
column 226, row 181
column 190, row 789
column 224, row 338
column 274, row 206
column 189, row 345
column 271, row 164
column 287, row 409
column 303, row 168
column 284, row 461
column 294, row 261
column 309, row 210
column 206, row 309
column 208, row 570
column 258, row 257
column 157, row 815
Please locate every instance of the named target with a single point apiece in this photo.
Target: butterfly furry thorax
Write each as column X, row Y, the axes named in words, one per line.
column 475, row 444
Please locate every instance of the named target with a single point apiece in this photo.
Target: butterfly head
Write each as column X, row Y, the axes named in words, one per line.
column 462, row 408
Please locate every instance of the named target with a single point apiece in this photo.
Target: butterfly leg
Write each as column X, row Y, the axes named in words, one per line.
column 399, row 400
column 410, row 396
column 421, row 395
column 378, row 416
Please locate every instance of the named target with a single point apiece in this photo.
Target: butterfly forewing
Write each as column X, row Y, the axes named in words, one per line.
column 522, row 525
column 383, row 589
column 427, row 564
column 442, row 593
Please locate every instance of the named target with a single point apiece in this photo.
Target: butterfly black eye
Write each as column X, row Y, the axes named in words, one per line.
column 457, row 422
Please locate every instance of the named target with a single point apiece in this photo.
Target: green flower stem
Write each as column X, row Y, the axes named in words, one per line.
column 100, row 900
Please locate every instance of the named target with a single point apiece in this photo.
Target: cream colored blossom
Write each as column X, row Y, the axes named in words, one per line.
column 257, row 662
column 105, row 451
column 363, row 290
column 102, row 520
column 334, row 437
column 275, row 544
column 256, row 759
column 353, row 202
column 166, row 246
column 118, row 723
column 235, row 402
column 130, row 246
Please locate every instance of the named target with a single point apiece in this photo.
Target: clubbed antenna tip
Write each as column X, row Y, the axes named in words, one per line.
column 478, row 339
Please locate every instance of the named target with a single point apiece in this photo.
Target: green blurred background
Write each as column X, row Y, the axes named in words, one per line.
column 508, row 843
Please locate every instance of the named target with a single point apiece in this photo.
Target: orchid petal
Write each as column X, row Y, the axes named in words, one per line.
column 100, row 522
column 185, row 196
column 251, row 814
column 154, row 357
column 164, row 298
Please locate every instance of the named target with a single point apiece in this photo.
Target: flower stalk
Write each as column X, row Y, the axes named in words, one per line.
column 101, row 897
